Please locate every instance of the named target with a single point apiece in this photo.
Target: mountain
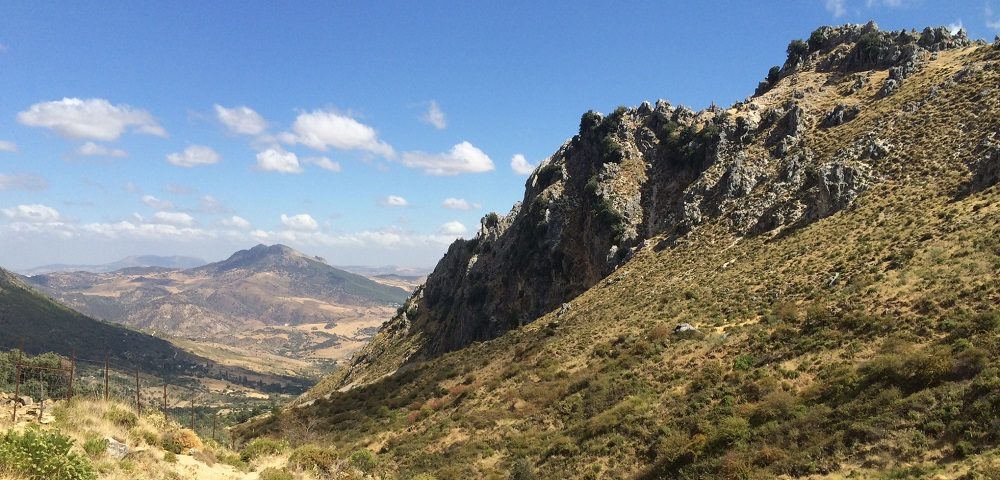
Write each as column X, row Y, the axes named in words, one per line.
column 270, row 299
column 802, row 284
column 173, row 262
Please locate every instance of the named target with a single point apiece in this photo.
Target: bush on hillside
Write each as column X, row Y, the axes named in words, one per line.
column 272, row 473
column 260, row 447
column 364, row 460
column 43, row 455
column 312, row 457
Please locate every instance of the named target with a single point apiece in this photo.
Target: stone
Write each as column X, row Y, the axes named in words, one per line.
column 840, row 115
column 685, row 327
column 116, row 449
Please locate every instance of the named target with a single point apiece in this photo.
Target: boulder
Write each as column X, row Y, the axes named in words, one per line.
column 685, row 327
column 840, row 115
column 116, row 450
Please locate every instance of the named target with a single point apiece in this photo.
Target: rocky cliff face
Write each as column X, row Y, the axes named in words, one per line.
column 646, row 177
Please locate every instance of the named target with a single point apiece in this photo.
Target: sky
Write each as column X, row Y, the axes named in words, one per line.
column 368, row 133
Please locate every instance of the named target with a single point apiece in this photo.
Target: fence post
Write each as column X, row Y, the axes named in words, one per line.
column 72, row 372
column 214, row 416
column 138, row 401
column 164, row 398
column 17, row 387
column 105, row 377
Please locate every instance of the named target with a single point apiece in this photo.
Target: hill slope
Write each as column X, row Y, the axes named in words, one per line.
column 270, row 299
column 44, row 325
column 834, row 241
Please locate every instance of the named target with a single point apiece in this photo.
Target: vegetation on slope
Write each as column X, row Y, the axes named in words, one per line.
column 864, row 344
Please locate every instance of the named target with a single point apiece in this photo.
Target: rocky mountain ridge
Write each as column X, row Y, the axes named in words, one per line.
column 764, row 166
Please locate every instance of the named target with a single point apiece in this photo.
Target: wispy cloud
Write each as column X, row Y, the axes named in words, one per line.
column 394, row 201
column 434, row 116
column 836, row 7
column 193, row 156
column 157, row 203
column 22, row 181
column 323, row 162
column 91, row 149
column 992, row 23
column 241, row 120
column 458, row 204
column 6, row 146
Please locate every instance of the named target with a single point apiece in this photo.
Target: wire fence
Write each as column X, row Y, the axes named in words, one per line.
column 36, row 382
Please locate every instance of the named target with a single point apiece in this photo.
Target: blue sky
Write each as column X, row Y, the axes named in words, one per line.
column 367, row 132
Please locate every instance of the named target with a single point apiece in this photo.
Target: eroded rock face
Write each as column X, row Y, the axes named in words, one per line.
column 654, row 171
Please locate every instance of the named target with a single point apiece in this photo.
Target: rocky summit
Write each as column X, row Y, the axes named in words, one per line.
column 802, row 284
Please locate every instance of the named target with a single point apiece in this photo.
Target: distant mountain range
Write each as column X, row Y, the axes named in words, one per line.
column 270, row 298
column 127, row 262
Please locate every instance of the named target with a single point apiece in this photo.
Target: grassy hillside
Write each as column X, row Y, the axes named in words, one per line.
column 46, row 326
column 863, row 344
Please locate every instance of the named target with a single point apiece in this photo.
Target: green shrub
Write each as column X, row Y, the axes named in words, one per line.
column 312, row 457
column 43, row 455
column 271, row 473
column 170, row 457
column 522, row 471
column 121, row 417
column 260, row 447
column 95, row 446
column 364, row 460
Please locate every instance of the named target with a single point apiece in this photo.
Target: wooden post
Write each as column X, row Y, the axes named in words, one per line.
column 41, row 401
column 138, row 401
column 72, row 372
column 192, row 415
column 17, row 387
column 164, row 398
column 105, row 377
column 214, row 417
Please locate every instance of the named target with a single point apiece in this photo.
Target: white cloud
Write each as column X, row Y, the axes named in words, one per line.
column 886, row 3
column 394, row 201
column 241, row 120
column 520, row 165
column 302, row 222
column 836, row 7
column 434, row 116
column 462, row 158
column 193, row 156
column 322, row 129
column 91, row 149
column 453, row 228
column 278, row 160
column 177, row 219
column 955, row 27
column 22, row 181
column 33, row 213
column 236, row 222
column 458, row 204
column 990, row 21
column 93, row 118
column 323, row 162
column 6, row 146
column 157, row 203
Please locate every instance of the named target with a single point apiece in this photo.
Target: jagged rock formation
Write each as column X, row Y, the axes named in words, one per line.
column 761, row 167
